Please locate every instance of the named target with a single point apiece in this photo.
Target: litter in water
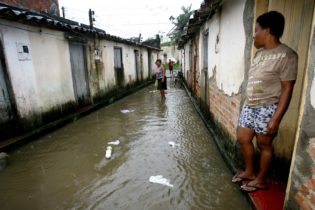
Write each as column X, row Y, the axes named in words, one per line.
column 173, row 144
column 108, row 153
column 159, row 179
column 125, row 111
column 152, row 91
column 117, row 142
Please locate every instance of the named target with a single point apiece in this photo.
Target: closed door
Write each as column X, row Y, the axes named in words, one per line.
column 79, row 74
column 137, row 65
column 149, row 64
column 6, row 112
column 5, row 103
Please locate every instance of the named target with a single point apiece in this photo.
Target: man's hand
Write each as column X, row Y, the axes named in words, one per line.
column 284, row 101
column 273, row 127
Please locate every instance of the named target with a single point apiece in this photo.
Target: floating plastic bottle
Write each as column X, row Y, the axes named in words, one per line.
column 117, row 142
column 108, row 153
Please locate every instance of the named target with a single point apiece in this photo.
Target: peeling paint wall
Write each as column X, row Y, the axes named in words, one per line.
column 45, row 71
column 42, row 79
column 301, row 185
column 226, row 55
column 313, row 91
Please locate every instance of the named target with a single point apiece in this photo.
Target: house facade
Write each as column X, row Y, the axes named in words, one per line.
column 216, row 53
column 52, row 67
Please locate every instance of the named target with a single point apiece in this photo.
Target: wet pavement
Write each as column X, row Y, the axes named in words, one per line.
column 67, row 169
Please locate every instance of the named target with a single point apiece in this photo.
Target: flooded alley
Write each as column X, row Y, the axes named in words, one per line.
column 67, row 169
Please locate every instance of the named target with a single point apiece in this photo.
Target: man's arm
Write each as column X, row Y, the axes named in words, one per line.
column 284, row 101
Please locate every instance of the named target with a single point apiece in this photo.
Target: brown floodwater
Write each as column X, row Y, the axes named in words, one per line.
column 67, row 169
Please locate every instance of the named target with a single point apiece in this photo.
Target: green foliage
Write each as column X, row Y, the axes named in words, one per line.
column 180, row 23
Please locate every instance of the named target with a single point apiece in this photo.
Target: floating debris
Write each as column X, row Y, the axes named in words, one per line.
column 173, row 144
column 115, row 143
column 108, row 153
column 126, row 111
column 159, row 179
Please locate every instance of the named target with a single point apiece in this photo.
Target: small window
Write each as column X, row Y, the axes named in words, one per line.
column 118, row 58
column 23, row 51
column 205, row 50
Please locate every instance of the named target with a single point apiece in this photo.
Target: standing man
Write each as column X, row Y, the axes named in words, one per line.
column 170, row 67
column 270, row 85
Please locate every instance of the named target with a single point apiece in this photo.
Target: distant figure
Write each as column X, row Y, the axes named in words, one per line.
column 161, row 78
column 271, row 79
column 179, row 78
column 170, row 66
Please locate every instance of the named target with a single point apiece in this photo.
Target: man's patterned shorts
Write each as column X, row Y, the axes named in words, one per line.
column 257, row 118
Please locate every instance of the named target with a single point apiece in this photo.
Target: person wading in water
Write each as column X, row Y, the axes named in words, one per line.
column 269, row 89
column 161, row 78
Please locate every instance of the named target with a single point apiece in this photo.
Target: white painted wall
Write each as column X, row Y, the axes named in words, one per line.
column 230, row 65
column 44, row 80
column 171, row 52
column 187, row 64
column 128, row 56
column 145, row 67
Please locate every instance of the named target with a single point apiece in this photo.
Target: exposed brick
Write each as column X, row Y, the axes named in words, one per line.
column 311, row 184
column 304, row 190
column 300, row 200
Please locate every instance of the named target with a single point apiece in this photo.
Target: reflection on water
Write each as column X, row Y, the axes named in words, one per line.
column 67, row 169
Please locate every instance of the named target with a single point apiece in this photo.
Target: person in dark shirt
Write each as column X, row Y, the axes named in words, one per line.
column 170, row 66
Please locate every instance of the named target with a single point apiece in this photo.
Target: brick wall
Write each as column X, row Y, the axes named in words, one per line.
column 225, row 109
column 305, row 197
column 197, row 85
column 302, row 182
column 36, row 5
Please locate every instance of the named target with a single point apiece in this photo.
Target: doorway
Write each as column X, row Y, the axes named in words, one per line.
column 79, row 73
column 7, row 113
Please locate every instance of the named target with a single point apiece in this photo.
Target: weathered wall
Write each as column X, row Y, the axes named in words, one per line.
column 229, row 59
column 301, row 187
column 171, row 52
column 40, row 75
column 229, row 56
column 226, row 63
column 298, row 16
column 102, row 72
column 43, row 81
column 145, row 63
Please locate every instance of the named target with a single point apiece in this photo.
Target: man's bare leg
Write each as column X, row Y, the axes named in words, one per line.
column 266, row 152
column 245, row 137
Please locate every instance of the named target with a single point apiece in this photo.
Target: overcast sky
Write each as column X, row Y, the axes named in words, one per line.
column 128, row 18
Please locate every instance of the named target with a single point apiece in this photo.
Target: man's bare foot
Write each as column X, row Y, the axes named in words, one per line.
column 242, row 176
column 253, row 186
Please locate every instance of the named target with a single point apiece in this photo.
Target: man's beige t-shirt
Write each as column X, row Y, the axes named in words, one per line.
column 269, row 68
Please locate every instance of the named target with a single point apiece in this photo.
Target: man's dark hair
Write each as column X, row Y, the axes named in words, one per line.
column 274, row 21
column 159, row 60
